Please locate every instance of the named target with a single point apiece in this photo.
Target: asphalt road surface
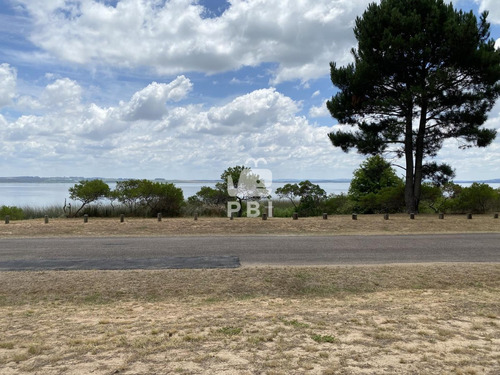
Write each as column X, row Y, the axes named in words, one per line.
column 227, row 252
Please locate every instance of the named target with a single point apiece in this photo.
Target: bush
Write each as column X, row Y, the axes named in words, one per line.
column 15, row 213
column 478, row 198
column 338, row 205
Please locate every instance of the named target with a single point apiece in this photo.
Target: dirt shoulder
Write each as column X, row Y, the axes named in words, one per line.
column 335, row 225
column 423, row 319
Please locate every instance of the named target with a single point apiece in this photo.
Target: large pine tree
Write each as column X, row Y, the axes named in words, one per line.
column 423, row 72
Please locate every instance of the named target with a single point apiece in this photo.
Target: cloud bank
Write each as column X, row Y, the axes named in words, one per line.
column 175, row 37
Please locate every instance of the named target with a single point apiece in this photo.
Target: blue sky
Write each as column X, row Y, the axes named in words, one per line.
column 183, row 89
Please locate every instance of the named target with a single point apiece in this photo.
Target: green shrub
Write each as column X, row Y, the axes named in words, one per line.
column 15, row 213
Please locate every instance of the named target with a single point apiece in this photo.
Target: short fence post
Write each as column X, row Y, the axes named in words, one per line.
column 412, row 216
column 441, row 216
column 7, row 219
column 469, row 216
column 85, row 218
column 46, row 219
column 386, row 216
column 295, row 216
column 355, row 216
column 122, row 218
column 495, row 216
column 231, row 217
column 159, row 216
column 195, row 216
column 264, row 216
column 325, row 216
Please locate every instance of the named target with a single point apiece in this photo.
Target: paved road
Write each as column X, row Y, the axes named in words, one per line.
column 219, row 252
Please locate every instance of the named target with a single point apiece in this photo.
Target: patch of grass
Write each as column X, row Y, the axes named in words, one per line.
column 36, row 350
column 6, row 345
column 324, row 338
column 230, row 331
column 294, row 323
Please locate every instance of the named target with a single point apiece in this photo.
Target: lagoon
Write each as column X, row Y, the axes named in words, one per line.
column 52, row 193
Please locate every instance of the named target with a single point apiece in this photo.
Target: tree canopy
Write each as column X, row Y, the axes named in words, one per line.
column 423, row 72
column 310, row 197
column 88, row 191
column 375, row 187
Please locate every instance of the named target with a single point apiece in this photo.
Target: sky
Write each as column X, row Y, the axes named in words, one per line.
column 183, row 89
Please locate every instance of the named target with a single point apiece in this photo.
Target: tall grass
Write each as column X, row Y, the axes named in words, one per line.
column 54, row 211
column 281, row 208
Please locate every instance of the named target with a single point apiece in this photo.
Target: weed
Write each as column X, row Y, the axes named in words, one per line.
column 324, row 338
column 230, row 331
column 6, row 345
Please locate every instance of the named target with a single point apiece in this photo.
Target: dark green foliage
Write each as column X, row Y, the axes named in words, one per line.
column 148, row 198
column 129, row 193
column 437, row 174
column 15, row 213
column 422, row 73
column 478, row 198
column 338, row 205
column 89, row 191
column 208, row 201
column 310, row 197
column 375, row 187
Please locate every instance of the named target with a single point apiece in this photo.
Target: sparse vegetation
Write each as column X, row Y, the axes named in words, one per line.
column 126, row 321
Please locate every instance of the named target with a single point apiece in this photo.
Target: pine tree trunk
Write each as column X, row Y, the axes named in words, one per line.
column 409, row 181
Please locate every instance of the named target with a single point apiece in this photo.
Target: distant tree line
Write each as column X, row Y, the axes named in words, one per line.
column 375, row 188
column 139, row 197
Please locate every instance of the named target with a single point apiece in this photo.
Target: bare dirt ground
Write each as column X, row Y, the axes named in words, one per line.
column 394, row 319
column 335, row 225
column 397, row 319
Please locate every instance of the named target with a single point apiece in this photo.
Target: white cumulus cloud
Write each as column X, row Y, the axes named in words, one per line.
column 8, row 78
column 150, row 102
column 319, row 111
column 174, row 37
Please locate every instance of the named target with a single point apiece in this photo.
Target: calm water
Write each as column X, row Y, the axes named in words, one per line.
column 48, row 194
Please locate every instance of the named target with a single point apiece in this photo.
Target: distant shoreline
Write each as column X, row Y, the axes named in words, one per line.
column 74, row 179
column 41, row 180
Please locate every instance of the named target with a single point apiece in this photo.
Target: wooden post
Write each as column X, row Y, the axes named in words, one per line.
column 495, row 216
column 231, row 217
column 469, row 216
column 264, row 216
column 85, row 218
column 46, row 219
column 295, row 216
column 412, row 216
column 159, row 216
column 7, row 219
column 386, row 216
column 355, row 216
column 122, row 218
column 325, row 216
column 441, row 216
column 195, row 216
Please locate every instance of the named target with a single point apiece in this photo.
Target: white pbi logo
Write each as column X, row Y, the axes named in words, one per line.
column 252, row 185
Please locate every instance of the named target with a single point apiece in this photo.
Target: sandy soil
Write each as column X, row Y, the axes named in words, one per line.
column 335, row 225
column 412, row 319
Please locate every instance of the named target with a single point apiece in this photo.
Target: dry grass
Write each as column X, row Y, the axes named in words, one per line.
column 335, row 225
column 424, row 319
